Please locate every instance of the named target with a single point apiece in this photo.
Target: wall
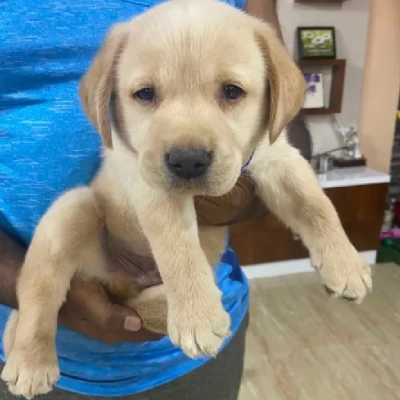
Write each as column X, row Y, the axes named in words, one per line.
column 381, row 84
column 351, row 22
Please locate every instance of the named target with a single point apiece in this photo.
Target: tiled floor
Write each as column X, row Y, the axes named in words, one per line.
column 304, row 346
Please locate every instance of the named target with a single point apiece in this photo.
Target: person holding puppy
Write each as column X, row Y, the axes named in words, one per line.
column 104, row 352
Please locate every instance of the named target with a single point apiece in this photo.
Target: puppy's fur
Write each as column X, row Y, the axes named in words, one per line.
column 187, row 50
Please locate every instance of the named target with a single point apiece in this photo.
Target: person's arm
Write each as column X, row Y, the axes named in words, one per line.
column 88, row 309
column 265, row 10
column 297, row 131
column 243, row 204
column 11, row 258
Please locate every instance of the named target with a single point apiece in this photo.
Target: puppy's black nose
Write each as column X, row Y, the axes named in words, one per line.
column 188, row 163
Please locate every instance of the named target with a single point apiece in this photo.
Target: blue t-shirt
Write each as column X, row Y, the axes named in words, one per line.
column 47, row 146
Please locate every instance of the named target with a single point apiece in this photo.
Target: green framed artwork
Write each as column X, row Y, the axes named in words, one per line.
column 316, row 42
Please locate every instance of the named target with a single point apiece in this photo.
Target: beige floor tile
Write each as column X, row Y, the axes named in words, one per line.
column 304, row 346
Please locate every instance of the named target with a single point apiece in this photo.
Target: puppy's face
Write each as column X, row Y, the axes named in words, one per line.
column 192, row 87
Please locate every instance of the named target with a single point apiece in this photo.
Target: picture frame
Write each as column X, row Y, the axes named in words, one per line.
column 314, row 97
column 316, row 42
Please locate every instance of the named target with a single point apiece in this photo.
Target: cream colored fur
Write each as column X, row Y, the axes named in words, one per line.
column 188, row 50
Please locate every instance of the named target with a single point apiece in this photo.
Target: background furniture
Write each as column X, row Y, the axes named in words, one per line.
column 359, row 196
column 319, row 1
column 337, row 84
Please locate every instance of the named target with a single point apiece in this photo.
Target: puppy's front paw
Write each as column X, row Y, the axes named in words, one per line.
column 199, row 329
column 29, row 373
column 345, row 273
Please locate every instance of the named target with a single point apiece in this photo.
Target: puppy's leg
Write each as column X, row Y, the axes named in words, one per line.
column 291, row 190
column 152, row 307
column 9, row 333
column 197, row 321
column 152, row 304
column 212, row 241
column 51, row 261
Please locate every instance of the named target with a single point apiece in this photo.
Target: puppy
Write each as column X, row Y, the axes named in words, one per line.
column 183, row 97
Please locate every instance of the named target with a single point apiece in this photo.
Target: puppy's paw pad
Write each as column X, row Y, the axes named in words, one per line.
column 333, row 294
column 329, row 291
column 350, row 280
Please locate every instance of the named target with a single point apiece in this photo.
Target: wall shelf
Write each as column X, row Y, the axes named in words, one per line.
column 319, row 1
column 336, row 91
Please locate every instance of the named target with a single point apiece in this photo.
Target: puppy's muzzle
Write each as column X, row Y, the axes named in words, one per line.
column 188, row 163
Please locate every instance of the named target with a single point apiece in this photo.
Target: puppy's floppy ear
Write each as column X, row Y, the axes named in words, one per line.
column 285, row 81
column 98, row 83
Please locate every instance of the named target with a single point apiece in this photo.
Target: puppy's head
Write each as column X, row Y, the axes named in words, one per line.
column 190, row 88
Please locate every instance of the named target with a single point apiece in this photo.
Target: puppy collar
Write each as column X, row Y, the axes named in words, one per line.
column 247, row 163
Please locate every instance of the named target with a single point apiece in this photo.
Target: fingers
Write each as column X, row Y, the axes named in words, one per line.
column 121, row 318
column 93, row 331
column 123, row 325
column 112, row 317
column 90, row 312
column 92, row 302
column 142, row 335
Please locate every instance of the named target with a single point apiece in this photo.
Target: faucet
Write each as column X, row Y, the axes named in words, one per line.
column 323, row 162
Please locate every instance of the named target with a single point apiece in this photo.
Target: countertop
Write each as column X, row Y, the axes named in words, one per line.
column 353, row 176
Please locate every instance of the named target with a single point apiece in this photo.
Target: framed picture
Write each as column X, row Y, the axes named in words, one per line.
column 316, row 42
column 314, row 97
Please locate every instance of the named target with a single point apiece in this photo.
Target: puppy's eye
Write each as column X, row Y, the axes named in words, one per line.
column 232, row 92
column 147, row 95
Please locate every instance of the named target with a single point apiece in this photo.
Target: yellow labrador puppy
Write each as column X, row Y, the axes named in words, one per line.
column 182, row 96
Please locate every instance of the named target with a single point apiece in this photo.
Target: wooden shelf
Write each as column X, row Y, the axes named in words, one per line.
column 319, row 111
column 321, row 62
column 319, row 1
column 336, row 93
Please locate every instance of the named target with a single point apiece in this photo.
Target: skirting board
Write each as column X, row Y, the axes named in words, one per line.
column 291, row 266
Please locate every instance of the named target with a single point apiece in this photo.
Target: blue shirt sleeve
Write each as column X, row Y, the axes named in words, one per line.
column 240, row 4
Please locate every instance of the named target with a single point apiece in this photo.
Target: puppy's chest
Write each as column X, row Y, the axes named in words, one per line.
column 135, row 265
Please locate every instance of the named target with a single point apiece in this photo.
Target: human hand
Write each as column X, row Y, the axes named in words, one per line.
column 90, row 311
column 240, row 204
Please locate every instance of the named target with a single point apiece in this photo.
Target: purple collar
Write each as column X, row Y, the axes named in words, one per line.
column 247, row 163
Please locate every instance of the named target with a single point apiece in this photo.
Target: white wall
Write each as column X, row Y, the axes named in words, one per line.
column 351, row 22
